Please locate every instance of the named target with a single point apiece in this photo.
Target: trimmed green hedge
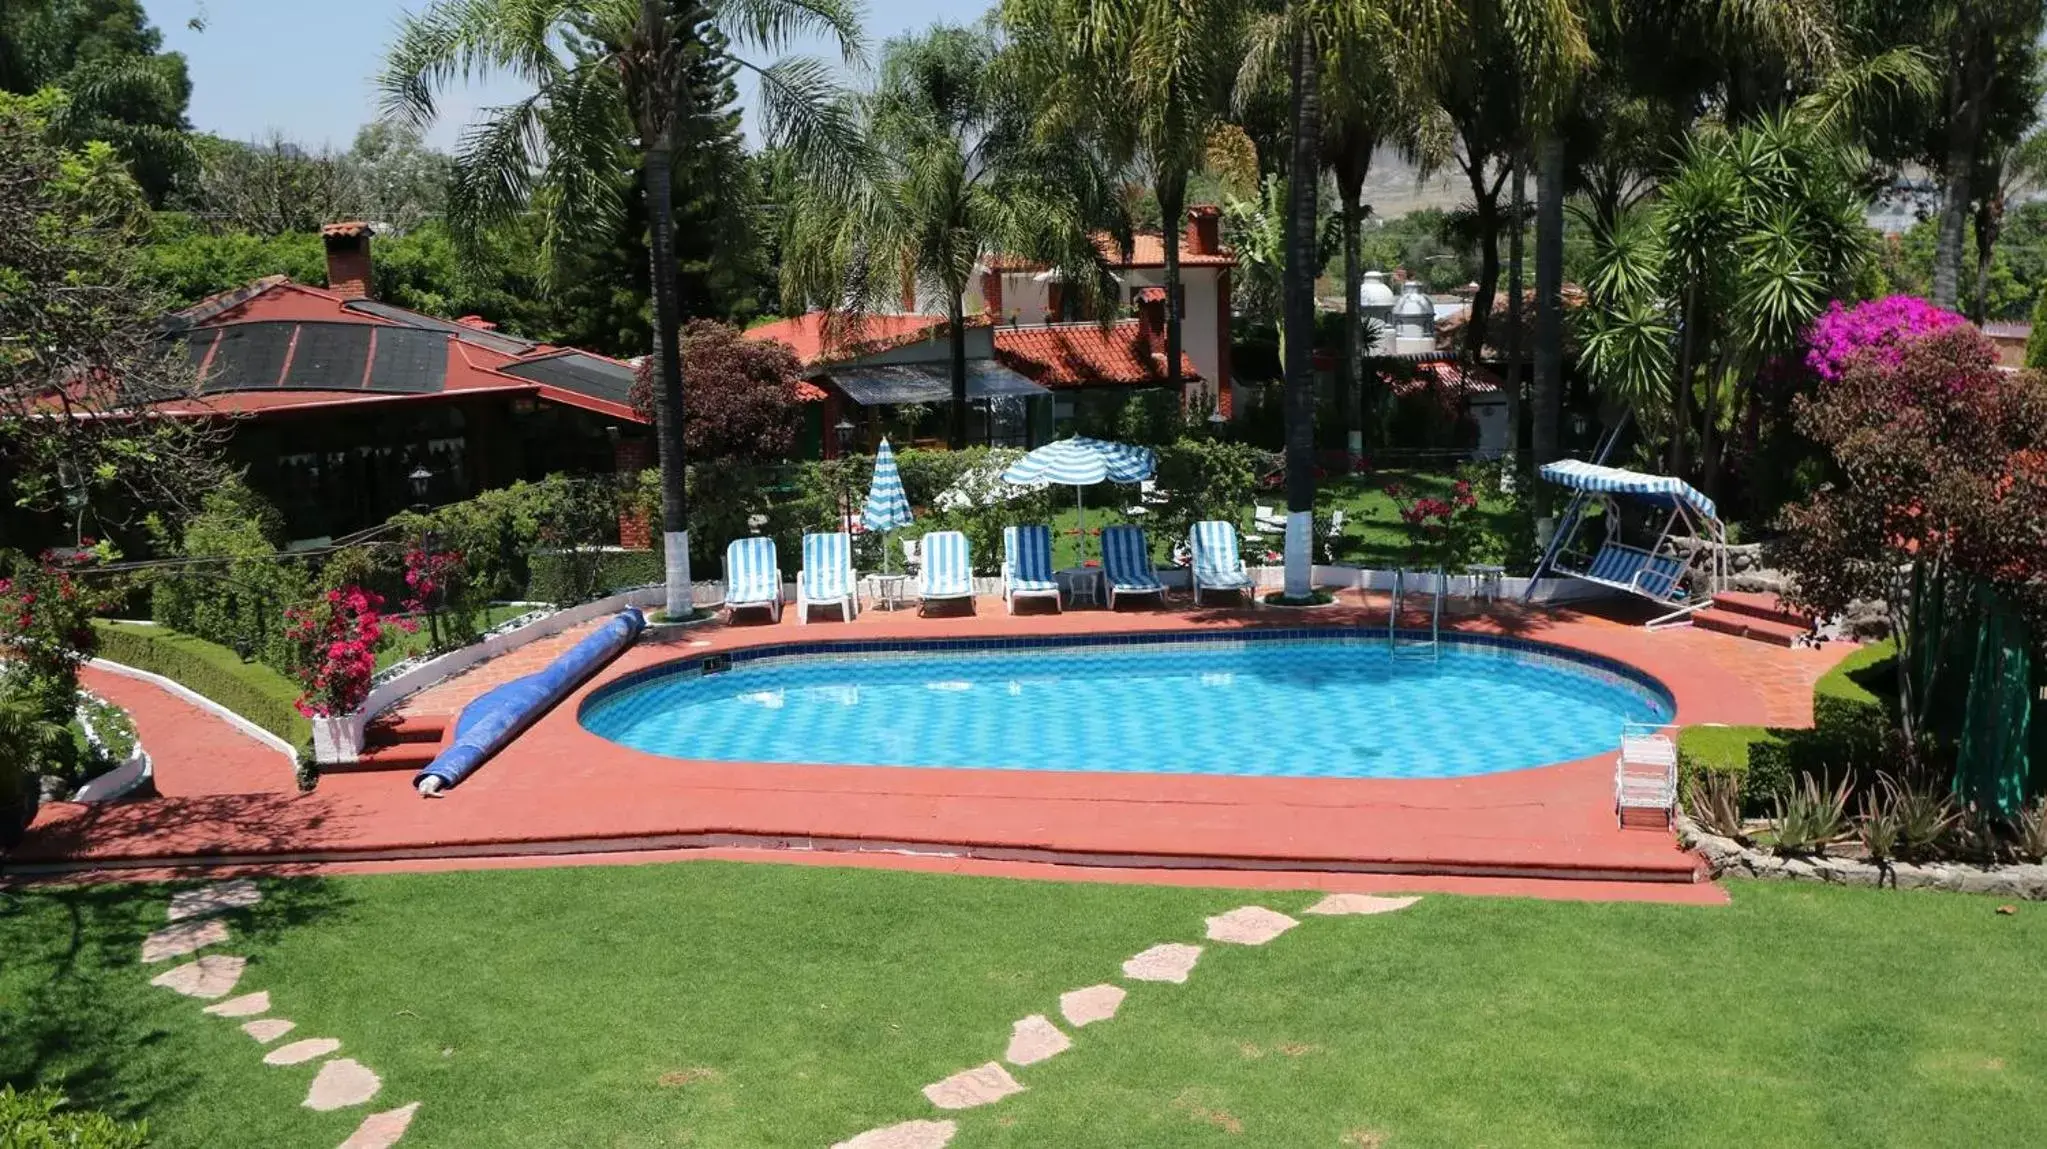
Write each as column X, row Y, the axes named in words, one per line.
column 250, row 689
column 1851, row 719
column 566, row 580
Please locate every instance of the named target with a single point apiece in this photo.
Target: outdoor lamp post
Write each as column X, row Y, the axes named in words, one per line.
column 844, row 430
column 421, row 479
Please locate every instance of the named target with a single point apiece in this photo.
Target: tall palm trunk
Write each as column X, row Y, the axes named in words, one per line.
column 1989, row 222
column 1681, row 395
column 1547, row 394
column 1968, row 86
column 1515, row 288
column 1485, row 207
column 1300, row 316
column 955, row 317
column 668, row 396
column 1350, row 187
column 1172, row 193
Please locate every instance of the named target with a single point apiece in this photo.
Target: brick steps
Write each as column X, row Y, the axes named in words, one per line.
column 412, row 728
column 406, row 756
column 1776, row 633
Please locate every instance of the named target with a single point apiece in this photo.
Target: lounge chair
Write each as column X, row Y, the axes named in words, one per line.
column 753, row 575
column 1027, row 565
column 947, row 574
column 827, row 576
column 1268, row 520
column 1217, row 565
column 1645, row 774
column 1126, row 564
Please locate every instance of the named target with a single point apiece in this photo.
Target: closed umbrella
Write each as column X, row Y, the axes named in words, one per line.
column 1082, row 462
column 887, row 507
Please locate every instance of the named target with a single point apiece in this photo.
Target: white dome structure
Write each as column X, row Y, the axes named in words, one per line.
column 1375, row 304
column 1414, row 321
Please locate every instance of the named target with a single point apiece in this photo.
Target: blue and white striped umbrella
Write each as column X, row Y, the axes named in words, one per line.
column 887, row 507
column 1082, row 462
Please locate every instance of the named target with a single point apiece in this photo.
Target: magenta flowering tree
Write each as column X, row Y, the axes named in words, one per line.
column 1883, row 328
column 1441, row 532
column 333, row 643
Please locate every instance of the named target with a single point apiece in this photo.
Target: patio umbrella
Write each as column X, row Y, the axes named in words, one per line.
column 887, row 507
column 1082, row 462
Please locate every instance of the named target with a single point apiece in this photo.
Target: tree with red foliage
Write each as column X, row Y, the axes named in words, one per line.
column 1942, row 465
column 743, row 395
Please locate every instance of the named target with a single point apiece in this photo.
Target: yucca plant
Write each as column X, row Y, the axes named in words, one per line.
column 1810, row 817
column 1714, row 798
column 1925, row 815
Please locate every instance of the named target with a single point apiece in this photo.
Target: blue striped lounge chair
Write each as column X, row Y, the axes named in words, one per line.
column 946, row 574
column 1217, row 565
column 753, row 575
column 1126, row 564
column 827, row 576
column 1027, row 565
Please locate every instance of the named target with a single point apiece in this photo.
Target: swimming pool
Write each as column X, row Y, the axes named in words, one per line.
column 1285, row 705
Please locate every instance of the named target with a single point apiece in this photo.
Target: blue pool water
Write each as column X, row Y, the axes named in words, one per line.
column 1319, row 707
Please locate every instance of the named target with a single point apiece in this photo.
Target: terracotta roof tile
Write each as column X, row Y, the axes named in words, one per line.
column 1147, row 250
column 1081, row 354
column 815, row 339
column 351, row 227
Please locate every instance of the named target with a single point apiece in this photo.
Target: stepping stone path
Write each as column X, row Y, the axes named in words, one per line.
column 181, row 939
column 382, row 1130
column 981, row 1085
column 239, row 894
column 908, row 1135
column 1172, row 962
column 341, row 1083
column 1249, row 926
column 1359, row 904
column 209, row 977
column 300, row 1051
column 1035, row 1039
column 1095, row 1003
column 269, row 1029
column 247, row 1005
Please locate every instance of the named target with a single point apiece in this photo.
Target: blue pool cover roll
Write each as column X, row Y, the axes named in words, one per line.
column 493, row 719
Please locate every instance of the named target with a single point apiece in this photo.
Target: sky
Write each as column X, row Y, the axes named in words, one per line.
column 305, row 67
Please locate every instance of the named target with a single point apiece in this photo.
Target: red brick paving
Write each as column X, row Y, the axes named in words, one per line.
column 562, row 788
column 192, row 751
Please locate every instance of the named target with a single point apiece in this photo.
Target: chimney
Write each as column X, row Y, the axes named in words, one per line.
column 1151, row 316
column 991, row 293
column 348, row 258
column 477, row 322
column 1204, row 229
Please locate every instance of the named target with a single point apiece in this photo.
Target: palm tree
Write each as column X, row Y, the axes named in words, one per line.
column 1150, row 81
column 1984, row 41
column 610, row 100
column 951, row 174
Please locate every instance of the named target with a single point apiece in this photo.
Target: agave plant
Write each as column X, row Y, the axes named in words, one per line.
column 1876, row 826
column 1714, row 798
column 1925, row 815
column 1809, row 818
column 2030, row 831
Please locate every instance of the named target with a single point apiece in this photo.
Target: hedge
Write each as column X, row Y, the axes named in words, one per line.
column 558, row 579
column 1851, row 721
column 250, row 689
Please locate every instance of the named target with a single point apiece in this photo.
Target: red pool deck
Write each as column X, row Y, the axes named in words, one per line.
column 559, row 790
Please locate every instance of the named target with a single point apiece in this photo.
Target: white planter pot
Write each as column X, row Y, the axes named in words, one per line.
column 338, row 739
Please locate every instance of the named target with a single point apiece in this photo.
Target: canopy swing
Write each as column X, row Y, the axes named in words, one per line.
column 1678, row 570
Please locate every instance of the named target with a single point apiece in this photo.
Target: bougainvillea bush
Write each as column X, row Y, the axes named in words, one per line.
column 334, row 649
column 1441, row 532
column 1878, row 328
column 46, row 609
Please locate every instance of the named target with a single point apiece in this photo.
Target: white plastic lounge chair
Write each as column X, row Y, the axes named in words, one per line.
column 1645, row 773
column 1027, row 565
column 827, row 576
column 1267, row 519
column 1217, row 564
column 1126, row 564
column 947, row 574
column 753, row 575
column 910, row 556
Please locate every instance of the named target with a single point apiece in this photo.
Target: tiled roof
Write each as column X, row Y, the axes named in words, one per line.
column 1082, row 354
column 816, row 338
column 352, row 227
column 1147, row 250
column 1448, row 376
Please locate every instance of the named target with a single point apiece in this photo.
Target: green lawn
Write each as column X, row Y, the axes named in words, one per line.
column 399, row 646
column 722, row 1005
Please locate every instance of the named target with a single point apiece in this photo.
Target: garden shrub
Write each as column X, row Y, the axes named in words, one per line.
column 1203, row 479
column 239, row 602
column 568, row 578
column 257, row 692
column 41, row 1119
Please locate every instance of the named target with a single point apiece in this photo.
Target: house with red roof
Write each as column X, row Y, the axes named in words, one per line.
column 337, row 399
column 1032, row 369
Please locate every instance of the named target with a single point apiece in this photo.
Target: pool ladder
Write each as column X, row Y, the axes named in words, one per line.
column 1434, row 646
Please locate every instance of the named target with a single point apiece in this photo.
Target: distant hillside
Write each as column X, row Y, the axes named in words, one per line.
column 1392, row 189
